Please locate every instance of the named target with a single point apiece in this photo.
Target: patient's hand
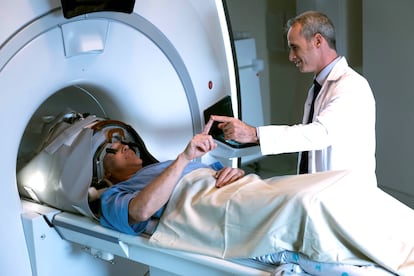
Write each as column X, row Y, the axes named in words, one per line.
column 199, row 145
column 228, row 175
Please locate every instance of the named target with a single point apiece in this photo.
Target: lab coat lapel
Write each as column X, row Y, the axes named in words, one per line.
column 307, row 106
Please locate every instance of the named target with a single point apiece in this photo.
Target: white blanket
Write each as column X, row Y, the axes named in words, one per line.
column 330, row 217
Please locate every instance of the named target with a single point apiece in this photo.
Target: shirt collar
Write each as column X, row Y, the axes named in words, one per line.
column 321, row 77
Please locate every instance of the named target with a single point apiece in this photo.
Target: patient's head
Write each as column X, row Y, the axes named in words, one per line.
column 120, row 162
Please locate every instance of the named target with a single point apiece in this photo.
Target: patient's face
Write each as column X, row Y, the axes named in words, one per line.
column 121, row 162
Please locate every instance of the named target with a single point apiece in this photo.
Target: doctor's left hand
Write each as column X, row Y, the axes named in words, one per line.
column 228, row 175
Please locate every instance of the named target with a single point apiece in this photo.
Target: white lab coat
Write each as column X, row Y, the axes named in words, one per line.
column 342, row 133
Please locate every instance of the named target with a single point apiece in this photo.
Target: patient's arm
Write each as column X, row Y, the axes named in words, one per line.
column 156, row 194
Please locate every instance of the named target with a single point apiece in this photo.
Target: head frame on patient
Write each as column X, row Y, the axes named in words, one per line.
column 64, row 180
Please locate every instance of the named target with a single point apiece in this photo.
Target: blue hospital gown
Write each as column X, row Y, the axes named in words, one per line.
column 115, row 200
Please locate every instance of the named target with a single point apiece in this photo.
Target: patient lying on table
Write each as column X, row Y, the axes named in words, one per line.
column 141, row 193
column 321, row 222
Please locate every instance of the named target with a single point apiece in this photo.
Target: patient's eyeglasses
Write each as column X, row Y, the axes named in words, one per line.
column 131, row 145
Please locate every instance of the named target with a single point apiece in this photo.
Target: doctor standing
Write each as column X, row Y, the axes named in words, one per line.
column 338, row 127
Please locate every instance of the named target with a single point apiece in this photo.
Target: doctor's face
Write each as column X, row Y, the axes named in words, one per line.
column 302, row 52
column 121, row 162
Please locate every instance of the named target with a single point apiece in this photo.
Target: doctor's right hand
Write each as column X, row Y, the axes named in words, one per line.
column 236, row 130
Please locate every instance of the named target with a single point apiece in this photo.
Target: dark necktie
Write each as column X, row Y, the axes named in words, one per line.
column 303, row 168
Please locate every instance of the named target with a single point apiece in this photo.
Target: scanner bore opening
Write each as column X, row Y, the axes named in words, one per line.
column 82, row 100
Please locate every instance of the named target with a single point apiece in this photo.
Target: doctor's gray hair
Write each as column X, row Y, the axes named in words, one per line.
column 313, row 22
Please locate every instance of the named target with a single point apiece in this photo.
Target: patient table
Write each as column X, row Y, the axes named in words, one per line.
column 104, row 244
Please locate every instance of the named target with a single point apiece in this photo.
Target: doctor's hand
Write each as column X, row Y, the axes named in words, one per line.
column 234, row 129
column 228, row 175
column 199, row 145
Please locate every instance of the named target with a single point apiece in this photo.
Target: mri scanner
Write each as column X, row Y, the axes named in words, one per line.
column 155, row 64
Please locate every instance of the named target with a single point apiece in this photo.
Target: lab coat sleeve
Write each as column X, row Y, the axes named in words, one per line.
column 276, row 139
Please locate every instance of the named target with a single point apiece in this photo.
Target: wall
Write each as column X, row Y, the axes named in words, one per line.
column 249, row 16
column 265, row 21
column 388, row 65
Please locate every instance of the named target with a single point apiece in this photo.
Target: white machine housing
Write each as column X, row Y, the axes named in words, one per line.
column 156, row 69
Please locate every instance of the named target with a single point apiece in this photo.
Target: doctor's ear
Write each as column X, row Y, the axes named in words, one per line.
column 318, row 38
